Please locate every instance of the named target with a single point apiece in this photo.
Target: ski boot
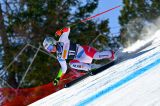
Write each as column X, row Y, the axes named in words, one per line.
column 93, row 68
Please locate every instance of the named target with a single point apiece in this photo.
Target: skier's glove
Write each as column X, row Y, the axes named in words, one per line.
column 61, row 31
column 58, row 33
column 56, row 81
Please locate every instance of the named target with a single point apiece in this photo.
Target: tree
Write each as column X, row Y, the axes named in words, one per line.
column 6, row 47
column 154, row 10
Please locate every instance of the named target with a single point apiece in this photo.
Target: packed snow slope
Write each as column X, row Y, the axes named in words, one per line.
column 133, row 81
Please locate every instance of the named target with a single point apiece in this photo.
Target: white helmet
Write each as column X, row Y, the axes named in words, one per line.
column 49, row 43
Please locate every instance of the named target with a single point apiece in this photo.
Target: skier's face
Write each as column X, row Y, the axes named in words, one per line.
column 52, row 48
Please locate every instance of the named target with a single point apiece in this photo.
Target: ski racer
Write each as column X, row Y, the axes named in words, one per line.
column 81, row 56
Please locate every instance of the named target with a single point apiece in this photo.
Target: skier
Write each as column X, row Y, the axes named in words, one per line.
column 81, row 56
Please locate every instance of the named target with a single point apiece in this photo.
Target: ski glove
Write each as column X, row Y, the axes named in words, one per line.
column 60, row 32
column 56, row 81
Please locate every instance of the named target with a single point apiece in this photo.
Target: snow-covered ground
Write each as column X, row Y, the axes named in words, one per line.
column 133, row 82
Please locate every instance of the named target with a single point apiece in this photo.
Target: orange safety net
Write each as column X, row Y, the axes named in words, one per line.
column 26, row 96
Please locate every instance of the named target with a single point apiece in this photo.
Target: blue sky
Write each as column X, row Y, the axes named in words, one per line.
column 112, row 15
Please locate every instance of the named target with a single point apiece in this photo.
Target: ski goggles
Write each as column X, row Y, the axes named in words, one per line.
column 50, row 48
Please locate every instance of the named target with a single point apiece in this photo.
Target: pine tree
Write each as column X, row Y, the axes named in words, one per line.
column 154, row 9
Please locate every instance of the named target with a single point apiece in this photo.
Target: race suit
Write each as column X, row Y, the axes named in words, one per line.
column 81, row 56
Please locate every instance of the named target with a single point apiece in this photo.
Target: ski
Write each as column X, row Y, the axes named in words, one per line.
column 90, row 73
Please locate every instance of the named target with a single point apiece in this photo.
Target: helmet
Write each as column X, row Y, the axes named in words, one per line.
column 49, row 43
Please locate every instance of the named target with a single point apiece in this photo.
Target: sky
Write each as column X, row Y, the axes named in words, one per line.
column 112, row 15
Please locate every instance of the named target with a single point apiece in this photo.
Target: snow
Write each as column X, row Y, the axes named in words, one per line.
column 134, row 93
column 140, row 43
column 133, row 82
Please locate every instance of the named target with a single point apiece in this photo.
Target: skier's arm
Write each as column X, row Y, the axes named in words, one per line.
column 63, row 65
column 63, row 34
column 61, row 72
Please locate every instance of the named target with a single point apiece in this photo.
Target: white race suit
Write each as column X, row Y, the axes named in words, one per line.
column 81, row 56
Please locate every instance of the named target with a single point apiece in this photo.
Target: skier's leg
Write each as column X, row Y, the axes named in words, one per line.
column 84, row 59
column 83, row 66
column 89, row 51
column 79, row 65
column 104, row 54
column 85, row 54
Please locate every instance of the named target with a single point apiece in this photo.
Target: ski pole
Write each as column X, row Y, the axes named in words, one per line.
column 89, row 18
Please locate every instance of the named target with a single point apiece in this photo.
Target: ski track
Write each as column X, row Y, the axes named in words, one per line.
column 132, row 100
column 121, row 76
column 79, row 93
column 118, row 84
